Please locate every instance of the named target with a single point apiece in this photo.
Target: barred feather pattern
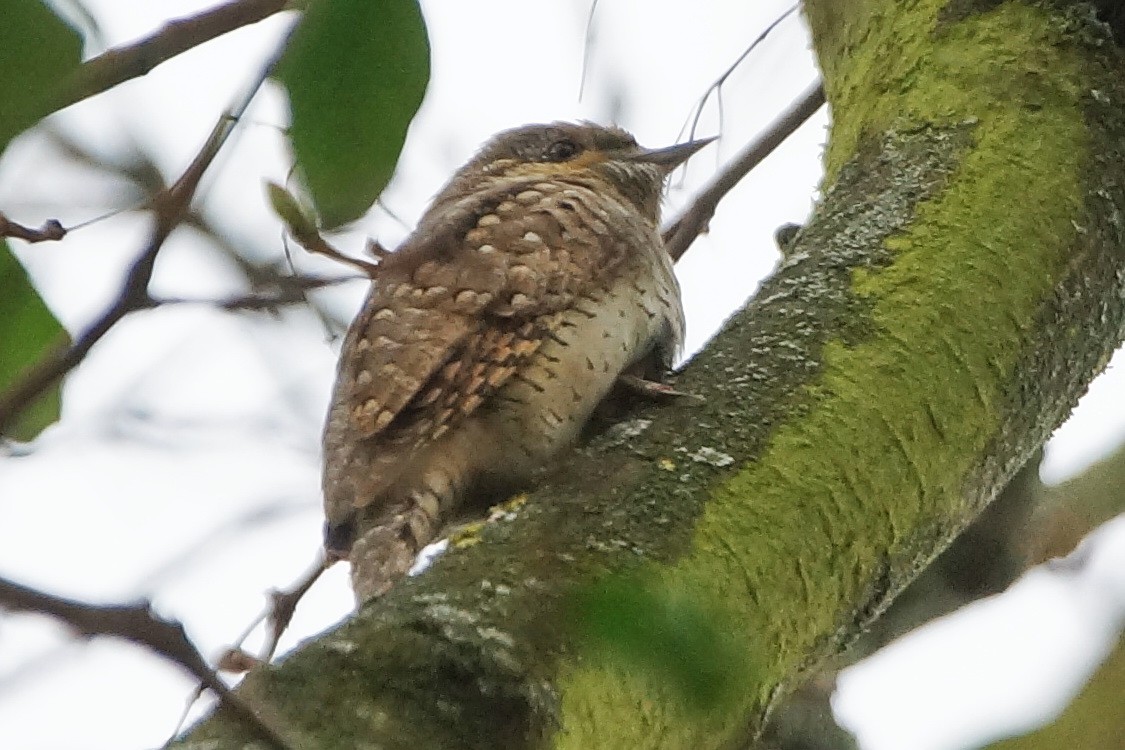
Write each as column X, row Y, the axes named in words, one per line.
column 484, row 345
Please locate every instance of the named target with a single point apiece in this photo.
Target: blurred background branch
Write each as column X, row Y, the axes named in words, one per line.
column 177, row 36
column 138, row 624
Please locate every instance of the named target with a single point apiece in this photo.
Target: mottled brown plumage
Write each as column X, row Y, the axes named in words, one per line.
column 533, row 281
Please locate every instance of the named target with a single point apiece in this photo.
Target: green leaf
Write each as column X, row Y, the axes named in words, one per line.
column 27, row 330
column 670, row 636
column 287, row 208
column 37, row 52
column 356, row 71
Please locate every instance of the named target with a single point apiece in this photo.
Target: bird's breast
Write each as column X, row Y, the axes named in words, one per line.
column 542, row 410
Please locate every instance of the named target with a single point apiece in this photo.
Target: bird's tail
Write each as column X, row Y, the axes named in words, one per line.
column 384, row 553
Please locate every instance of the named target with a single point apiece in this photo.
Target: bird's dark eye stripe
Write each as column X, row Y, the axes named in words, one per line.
column 561, row 150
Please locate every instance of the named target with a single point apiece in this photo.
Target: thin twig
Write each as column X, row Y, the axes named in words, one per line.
column 177, row 36
column 170, row 207
column 717, row 86
column 139, row 624
column 51, row 230
column 140, row 171
column 331, row 330
column 317, row 245
column 188, row 705
column 292, row 292
column 284, row 603
column 587, row 46
column 394, row 216
column 302, row 227
column 679, row 235
column 279, row 613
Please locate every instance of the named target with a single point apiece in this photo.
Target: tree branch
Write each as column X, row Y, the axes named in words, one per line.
column 51, row 230
column 120, row 64
column 679, row 235
column 138, row 624
column 293, row 290
column 924, row 336
column 169, row 207
column 716, row 86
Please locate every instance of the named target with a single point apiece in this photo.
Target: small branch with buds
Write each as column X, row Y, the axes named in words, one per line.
column 277, row 616
column 50, row 231
column 303, row 229
column 169, row 207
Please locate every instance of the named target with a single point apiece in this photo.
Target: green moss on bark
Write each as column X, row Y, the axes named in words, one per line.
column 910, row 399
column 959, row 284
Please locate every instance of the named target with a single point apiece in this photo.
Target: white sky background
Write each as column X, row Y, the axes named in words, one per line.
column 186, row 465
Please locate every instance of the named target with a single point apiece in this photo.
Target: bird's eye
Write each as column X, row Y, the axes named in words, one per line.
column 561, row 150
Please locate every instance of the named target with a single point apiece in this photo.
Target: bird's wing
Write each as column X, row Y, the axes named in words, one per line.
column 450, row 318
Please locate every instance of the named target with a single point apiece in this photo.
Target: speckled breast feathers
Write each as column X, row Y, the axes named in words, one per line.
column 488, row 338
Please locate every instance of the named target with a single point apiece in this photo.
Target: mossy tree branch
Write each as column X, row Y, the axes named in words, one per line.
column 953, row 294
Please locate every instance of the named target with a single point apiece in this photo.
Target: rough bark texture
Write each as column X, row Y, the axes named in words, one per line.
column 1027, row 524
column 957, row 288
column 984, row 559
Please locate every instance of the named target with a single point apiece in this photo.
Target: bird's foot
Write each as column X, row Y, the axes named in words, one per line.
column 651, row 389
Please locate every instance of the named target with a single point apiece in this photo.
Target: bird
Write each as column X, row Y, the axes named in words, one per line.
column 536, row 278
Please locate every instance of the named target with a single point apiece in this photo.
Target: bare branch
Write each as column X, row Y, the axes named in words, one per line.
column 291, row 292
column 284, row 603
column 138, row 624
column 188, row 704
column 170, row 207
column 177, row 36
column 679, row 235
column 317, row 245
column 277, row 615
column 51, row 230
column 716, row 87
column 587, row 47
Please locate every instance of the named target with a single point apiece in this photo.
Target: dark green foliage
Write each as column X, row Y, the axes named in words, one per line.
column 669, row 636
column 356, row 71
column 37, row 52
column 27, row 329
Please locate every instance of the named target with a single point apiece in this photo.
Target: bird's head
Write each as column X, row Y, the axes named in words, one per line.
column 583, row 153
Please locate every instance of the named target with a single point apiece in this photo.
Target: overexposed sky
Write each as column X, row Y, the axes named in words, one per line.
column 185, row 467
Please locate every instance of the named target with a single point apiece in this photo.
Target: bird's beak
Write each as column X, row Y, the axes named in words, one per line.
column 671, row 157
